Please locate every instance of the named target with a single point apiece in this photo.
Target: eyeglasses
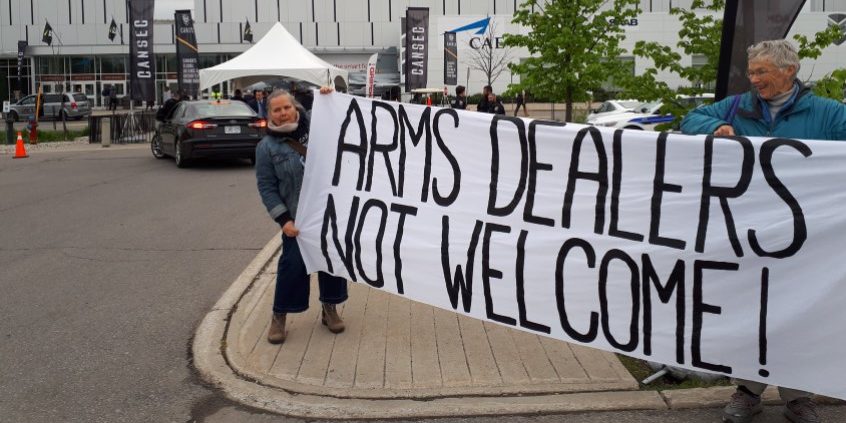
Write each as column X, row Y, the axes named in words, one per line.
column 757, row 72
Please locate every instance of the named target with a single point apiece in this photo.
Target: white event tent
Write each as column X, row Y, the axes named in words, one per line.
column 277, row 54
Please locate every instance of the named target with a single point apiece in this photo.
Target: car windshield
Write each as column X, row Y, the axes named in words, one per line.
column 648, row 107
column 222, row 108
column 629, row 104
column 80, row 97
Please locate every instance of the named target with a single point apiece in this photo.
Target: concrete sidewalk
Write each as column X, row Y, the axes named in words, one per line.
column 402, row 359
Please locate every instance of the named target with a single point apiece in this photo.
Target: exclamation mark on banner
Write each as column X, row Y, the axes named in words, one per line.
column 762, row 329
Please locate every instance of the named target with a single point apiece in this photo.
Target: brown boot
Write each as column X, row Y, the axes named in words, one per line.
column 277, row 334
column 331, row 319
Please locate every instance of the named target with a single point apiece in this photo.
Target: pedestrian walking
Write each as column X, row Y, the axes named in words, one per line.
column 113, row 101
column 280, row 163
column 778, row 105
column 105, row 95
column 520, row 101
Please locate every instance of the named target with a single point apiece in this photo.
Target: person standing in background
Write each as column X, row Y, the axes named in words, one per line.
column 460, row 100
column 494, row 105
column 261, row 104
column 483, row 105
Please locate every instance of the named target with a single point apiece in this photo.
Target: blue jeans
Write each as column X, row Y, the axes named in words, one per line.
column 292, row 282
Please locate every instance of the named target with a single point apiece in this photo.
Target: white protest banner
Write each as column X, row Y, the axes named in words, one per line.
column 711, row 254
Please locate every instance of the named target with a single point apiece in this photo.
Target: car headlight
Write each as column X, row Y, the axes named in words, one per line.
column 613, row 123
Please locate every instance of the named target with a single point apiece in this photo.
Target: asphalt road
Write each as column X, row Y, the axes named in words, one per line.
column 772, row 414
column 110, row 259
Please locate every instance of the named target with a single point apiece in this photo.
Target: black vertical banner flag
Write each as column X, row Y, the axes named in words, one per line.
column 416, row 47
column 248, row 32
column 142, row 59
column 112, row 30
column 21, row 51
column 47, row 35
column 402, row 59
column 744, row 25
column 187, row 67
column 450, row 59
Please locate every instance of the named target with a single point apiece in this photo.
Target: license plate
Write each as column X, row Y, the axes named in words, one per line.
column 233, row 129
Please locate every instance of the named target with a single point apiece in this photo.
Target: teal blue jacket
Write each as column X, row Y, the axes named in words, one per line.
column 805, row 116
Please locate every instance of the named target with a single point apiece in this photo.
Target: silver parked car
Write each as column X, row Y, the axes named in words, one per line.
column 72, row 105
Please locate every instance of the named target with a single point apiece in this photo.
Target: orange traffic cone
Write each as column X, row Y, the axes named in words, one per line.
column 20, row 150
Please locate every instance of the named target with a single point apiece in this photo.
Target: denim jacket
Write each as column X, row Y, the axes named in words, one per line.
column 279, row 170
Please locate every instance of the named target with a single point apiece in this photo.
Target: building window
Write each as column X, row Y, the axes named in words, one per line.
column 82, row 65
column 51, row 65
column 113, row 64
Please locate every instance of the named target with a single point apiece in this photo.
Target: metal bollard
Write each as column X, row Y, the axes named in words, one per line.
column 106, row 131
column 10, row 130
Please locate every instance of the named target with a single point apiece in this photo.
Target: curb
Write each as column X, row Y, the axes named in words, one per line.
column 264, row 392
column 211, row 362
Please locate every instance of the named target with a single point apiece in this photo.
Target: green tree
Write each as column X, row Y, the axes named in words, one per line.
column 700, row 36
column 833, row 85
column 573, row 46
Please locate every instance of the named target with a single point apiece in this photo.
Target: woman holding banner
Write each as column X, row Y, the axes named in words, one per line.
column 280, row 163
column 777, row 106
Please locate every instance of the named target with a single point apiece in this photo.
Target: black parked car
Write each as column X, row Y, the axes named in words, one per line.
column 209, row 128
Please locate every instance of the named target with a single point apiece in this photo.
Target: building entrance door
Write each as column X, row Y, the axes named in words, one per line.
column 51, row 87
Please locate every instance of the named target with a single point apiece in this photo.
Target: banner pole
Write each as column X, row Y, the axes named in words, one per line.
column 726, row 45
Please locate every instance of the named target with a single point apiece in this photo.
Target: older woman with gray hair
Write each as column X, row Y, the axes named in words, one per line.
column 778, row 105
column 280, row 163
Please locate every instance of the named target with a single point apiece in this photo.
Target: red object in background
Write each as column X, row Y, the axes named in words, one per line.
column 33, row 132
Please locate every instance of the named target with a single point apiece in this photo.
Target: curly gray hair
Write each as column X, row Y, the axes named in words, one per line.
column 781, row 53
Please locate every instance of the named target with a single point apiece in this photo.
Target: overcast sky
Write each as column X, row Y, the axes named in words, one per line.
column 164, row 8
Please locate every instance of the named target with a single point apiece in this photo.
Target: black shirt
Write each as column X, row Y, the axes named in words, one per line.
column 166, row 110
column 459, row 103
column 496, row 108
column 483, row 106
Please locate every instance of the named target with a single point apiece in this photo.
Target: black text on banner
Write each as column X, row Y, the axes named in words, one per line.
column 709, row 253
